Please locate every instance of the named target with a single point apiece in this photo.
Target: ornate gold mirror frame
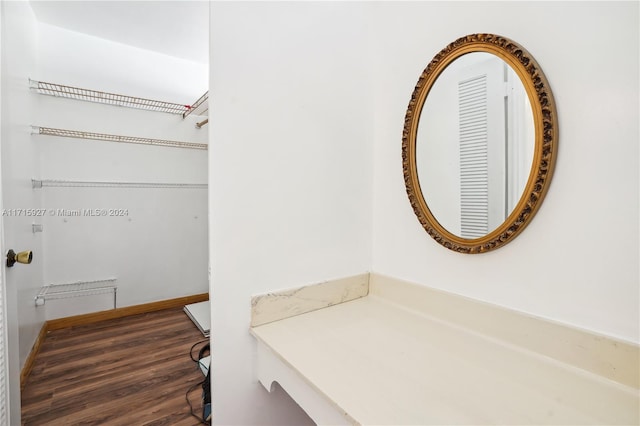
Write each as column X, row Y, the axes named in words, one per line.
column 545, row 149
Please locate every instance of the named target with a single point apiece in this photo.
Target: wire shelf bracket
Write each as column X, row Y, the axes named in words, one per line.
column 77, row 289
column 78, row 134
column 199, row 107
column 51, row 183
column 96, row 96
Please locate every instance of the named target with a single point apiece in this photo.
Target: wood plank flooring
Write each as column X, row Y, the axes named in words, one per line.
column 128, row 371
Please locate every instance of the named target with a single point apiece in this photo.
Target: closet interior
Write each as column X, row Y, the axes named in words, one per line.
column 104, row 161
column 119, row 210
column 104, row 156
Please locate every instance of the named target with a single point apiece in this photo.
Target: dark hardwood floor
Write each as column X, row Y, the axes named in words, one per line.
column 128, row 371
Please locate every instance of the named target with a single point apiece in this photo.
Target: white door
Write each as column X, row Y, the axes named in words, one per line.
column 4, row 354
column 496, row 143
column 19, row 162
column 482, row 145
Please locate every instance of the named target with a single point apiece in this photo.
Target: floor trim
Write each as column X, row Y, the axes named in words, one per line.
column 28, row 364
column 59, row 323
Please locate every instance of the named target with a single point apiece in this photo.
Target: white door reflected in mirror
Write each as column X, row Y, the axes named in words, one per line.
column 474, row 145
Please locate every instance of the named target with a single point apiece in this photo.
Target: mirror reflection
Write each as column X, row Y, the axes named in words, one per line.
column 475, row 144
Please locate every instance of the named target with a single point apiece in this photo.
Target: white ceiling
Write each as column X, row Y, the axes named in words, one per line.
column 176, row 28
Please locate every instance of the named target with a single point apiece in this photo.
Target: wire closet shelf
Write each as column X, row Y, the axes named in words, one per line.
column 52, row 183
column 77, row 289
column 59, row 90
column 199, row 107
column 79, row 134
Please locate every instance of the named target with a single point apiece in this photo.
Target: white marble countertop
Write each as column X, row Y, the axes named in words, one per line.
column 378, row 363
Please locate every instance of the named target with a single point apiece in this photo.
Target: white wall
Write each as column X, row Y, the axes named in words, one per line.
column 159, row 249
column 19, row 163
column 578, row 260
column 298, row 144
column 290, row 181
column 69, row 57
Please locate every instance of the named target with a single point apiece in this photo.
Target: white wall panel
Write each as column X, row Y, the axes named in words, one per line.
column 290, row 181
column 578, row 260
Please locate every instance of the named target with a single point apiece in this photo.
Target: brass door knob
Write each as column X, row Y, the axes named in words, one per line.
column 23, row 257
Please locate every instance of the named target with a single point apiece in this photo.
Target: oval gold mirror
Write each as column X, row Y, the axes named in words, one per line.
column 479, row 143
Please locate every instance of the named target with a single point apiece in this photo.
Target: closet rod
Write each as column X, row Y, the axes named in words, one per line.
column 202, row 123
column 37, row 184
column 197, row 105
column 78, row 93
column 78, row 134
